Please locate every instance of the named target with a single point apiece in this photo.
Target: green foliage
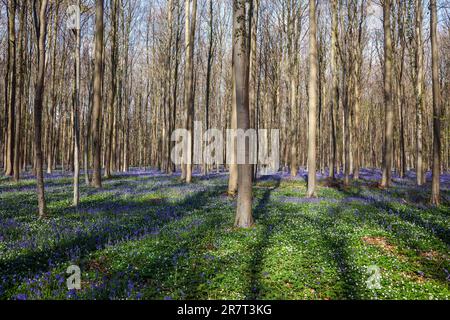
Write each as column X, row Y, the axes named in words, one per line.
column 155, row 238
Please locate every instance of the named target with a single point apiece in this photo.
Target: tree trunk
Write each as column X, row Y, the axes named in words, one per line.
column 76, row 110
column 244, row 218
column 208, row 73
column 97, row 106
column 312, row 93
column 435, row 189
column 420, row 100
column 21, row 79
column 335, row 89
column 389, row 112
column 112, row 106
column 40, row 27
column 189, row 79
column 12, row 87
column 233, row 178
column 51, row 113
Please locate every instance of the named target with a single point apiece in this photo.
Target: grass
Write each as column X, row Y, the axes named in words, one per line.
column 147, row 236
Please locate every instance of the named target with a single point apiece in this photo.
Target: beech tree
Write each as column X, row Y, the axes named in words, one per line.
column 190, row 24
column 358, row 84
column 312, row 103
column 40, row 26
column 419, row 88
column 97, row 104
column 435, row 190
column 389, row 112
column 244, row 218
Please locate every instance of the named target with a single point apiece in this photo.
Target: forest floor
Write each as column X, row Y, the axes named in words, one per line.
column 145, row 235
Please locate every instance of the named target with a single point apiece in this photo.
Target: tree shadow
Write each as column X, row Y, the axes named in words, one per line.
column 432, row 268
column 260, row 215
column 337, row 249
column 407, row 215
column 107, row 231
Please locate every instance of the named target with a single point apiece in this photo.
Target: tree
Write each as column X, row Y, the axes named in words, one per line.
column 233, row 168
column 190, row 22
column 335, row 83
column 40, row 25
column 293, row 35
column 389, row 110
column 208, row 71
column 54, row 96
column 253, row 76
column 112, row 105
column 244, row 218
column 312, row 96
column 21, row 80
column 97, row 105
column 435, row 189
column 11, row 97
column 76, row 111
column 419, row 89
column 357, row 58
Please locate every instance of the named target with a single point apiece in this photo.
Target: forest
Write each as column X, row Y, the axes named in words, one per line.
column 231, row 149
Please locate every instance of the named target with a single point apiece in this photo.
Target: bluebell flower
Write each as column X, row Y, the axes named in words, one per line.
column 21, row 296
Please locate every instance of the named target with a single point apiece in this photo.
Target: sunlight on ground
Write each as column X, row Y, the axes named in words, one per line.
column 148, row 236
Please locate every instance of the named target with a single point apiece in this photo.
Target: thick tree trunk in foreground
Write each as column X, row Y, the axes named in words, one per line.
column 312, row 90
column 435, row 189
column 97, row 106
column 389, row 113
column 41, row 31
column 244, row 218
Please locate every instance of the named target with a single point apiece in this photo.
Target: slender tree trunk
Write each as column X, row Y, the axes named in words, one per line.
column 253, row 82
column 335, row 88
column 420, row 100
column 76, row 110
column 292, row 52
column 189, row 79
column 435, row 190
column 97, row 106
column 87, row 133
column 389, row 112
column 112, row 107
column 11, row 86
column 233, row 178
column 312, row 89
column 346, row 129
column 41, row 30
column 51, row 113
column 175, row 86
column 208, row 72
column 21, row 73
